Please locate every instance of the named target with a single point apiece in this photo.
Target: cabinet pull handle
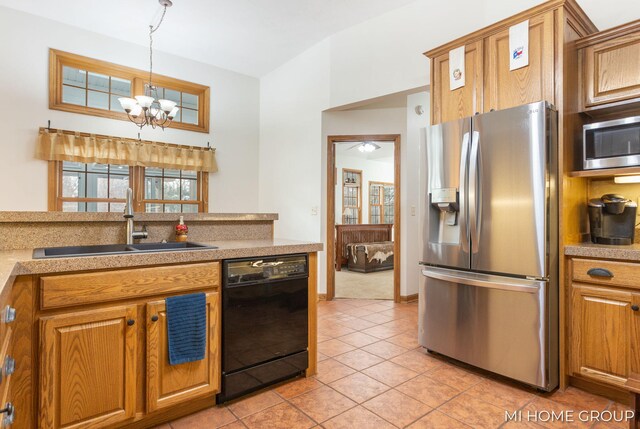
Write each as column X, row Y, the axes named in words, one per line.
column 131, row 322
column 9, row 314
column 635, row 307
column 9, row 412
column 154, row 318
column 600, row 272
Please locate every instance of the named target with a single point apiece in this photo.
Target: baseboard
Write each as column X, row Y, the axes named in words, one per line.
column 409, row 298
column 322, row 297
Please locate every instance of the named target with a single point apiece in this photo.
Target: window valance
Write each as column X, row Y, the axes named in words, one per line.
column 61, row 145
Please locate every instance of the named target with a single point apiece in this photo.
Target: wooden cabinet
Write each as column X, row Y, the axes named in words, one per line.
column 605, row 321
column 609, row 64
column 447, row 105
column 103, row 355
column 489, row 84
column 604, row 330
column 169, row 385
column 505, row 88
column 88, row 368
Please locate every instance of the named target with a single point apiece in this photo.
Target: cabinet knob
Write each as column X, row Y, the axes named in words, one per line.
column 635, row 307
column 154, row 318
column 9, row 414
column 131, row 322
column 9, row 314
column 600, row 272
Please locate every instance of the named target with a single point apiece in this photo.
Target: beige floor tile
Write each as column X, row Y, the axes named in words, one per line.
column 502, row 394
column 382, row 332
column 397, row 408
column 428, row 391
column 542, row 407
column 390, row 373
column 359, row 359
column 334, row 347
column 357, row 418
column 297, row 387
column 213, row 417
column 359, row 387
column 323, row 403
column 417, row 360
column 235, row 425
column 408, row 340
column 378, row 318
column 459, row 378
column 358, row 339
column 573, row 397
column 254, row 403
column 282, row 416
column 437, row 420
column 358, row 324
column 334, row 330
column 331, row 370
column 474, row 412
column 384, row 349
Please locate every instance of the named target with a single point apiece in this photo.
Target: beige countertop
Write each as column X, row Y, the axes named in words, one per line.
column 604, row 251
column 35, row 217
column 20, row 262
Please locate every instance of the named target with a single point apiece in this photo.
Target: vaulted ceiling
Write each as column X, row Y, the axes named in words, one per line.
column 254, row 36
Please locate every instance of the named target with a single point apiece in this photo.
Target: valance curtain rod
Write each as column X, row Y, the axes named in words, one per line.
column 65, row 145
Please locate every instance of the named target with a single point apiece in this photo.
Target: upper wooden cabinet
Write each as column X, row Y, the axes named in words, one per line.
column 449, row 105
column 505, row 88
column 610, row 69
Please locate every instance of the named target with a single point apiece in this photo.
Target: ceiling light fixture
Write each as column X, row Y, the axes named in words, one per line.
column 148, row 110
column 368, row 147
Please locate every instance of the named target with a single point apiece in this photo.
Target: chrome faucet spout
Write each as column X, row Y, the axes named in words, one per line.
column 128, row 216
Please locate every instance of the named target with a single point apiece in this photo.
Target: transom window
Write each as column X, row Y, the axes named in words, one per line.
column 88, row 86
column 91, row 187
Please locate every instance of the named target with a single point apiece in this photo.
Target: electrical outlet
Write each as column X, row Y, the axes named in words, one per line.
column 314, row 211
column 413, row 210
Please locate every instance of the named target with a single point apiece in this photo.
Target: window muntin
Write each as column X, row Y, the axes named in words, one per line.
column 88, row 86
column 91, row 187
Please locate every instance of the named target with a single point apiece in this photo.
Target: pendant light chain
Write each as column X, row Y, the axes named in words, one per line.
column 151, row 31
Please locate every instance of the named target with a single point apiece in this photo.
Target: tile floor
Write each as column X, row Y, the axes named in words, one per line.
column 372, row 374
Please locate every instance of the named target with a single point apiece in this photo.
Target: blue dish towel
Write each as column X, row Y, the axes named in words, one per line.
column 186, row 327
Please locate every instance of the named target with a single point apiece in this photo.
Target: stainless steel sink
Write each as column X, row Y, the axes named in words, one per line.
column 114, row 249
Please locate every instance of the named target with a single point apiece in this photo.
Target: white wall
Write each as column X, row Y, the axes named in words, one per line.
column 372, row 171
column 24, row 88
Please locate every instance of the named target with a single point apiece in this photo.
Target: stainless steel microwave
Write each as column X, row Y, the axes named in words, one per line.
column 611, row 144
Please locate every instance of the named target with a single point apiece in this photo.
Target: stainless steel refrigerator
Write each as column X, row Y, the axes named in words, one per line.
column 489, row 284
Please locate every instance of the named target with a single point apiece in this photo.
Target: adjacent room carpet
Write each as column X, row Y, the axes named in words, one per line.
column 377, row 285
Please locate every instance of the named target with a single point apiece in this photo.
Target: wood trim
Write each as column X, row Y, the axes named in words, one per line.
column 405, row 299
column 54, row 186
column 609, row 34
column 331, row 225
column 322, row 297
column 501, row 25
column 312, row 346
column 25, row 341
column 58, row 59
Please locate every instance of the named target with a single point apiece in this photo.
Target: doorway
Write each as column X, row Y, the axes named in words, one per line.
column 359, row 237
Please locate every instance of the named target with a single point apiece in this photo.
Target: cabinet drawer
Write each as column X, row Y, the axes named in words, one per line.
column 77, row 289
column 624, row 274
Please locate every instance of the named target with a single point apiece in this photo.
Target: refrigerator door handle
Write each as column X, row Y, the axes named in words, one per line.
column 464, row 163
column 474, row 193
column 482, row 280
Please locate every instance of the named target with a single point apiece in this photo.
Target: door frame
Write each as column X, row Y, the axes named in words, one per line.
column 331, row 207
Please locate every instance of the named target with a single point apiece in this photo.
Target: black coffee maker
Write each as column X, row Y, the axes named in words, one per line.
column 612, row 219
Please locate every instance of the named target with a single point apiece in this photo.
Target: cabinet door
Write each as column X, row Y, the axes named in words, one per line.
column 168, row 385
column 610, row 71
column 535, row 82
column 603, row 330
column 449, row 105
column 88, row 368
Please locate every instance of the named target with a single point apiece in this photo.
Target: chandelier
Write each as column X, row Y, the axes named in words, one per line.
column 148, row 109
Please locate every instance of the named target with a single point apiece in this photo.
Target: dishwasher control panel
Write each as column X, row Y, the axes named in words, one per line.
column 264, row 269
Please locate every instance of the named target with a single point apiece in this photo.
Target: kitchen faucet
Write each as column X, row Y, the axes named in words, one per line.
column 128, row 215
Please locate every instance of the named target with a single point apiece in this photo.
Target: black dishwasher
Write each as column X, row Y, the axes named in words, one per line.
column 264, row 322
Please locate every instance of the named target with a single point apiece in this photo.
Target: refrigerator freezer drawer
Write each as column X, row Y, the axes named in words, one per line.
column 496, row 323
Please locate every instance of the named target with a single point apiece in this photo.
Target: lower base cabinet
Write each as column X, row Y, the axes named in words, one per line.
column 169, row 385
column 88, row 368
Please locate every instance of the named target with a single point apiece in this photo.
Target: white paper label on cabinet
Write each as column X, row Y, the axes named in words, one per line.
column 519, row 45
column 456, row 68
